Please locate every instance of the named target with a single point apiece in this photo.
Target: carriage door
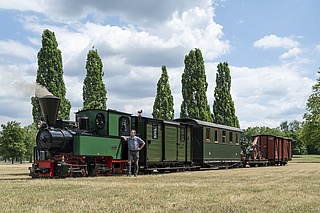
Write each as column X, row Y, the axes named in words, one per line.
column 181, row 143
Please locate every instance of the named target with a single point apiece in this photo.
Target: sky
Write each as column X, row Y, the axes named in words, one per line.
column 272, row 48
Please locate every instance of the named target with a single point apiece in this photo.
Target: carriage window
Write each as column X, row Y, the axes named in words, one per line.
column 154, row 131
column 237, row 138
column 230, row 137
column 207, row 134
column 182, row 134
column 224, row 134
column 188, row 134
column 216, row 136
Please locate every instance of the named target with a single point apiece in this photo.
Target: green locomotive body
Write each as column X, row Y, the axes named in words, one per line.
column 101, row 133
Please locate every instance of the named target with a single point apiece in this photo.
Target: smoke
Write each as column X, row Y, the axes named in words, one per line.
column 41, row 91
column 30, row 89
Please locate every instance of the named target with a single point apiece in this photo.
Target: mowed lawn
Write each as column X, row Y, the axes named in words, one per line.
column 291, row 188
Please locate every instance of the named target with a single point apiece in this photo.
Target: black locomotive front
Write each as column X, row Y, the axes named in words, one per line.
column 49, row 138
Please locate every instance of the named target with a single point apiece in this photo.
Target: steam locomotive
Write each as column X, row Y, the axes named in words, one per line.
column 91, row 145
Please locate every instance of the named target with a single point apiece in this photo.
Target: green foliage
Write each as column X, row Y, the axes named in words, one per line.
column 12, row 141
column 94, row 91
column 223, row 105
column 310, row 133
column 30, row 139
column 50, row 75
column 293, row 130
column 163, row 104
column 194, row 88
column 252, row 131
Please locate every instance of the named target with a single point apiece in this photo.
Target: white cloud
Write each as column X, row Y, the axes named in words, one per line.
column 195, row 28
column 30, row 5
column 17, row 49
column 135, row 45
column 273, row 41
column 294, row 52
column 317, row 48
column 269, row 95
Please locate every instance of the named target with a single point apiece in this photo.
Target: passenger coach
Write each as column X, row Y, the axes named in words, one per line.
column 214, row 144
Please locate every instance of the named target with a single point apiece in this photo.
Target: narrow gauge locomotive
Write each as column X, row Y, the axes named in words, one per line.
column 92, row 146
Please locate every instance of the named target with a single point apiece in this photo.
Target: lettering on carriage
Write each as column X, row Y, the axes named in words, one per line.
column 154, row 131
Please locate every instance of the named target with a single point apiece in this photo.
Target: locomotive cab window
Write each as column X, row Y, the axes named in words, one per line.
column 124, row 125
column 208, row 135
column 224, row 135
column 100, row 122
column 231, row 137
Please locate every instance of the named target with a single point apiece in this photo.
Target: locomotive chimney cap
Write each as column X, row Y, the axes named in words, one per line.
column 50, row 106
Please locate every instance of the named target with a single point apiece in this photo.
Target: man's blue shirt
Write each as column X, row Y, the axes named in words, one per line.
column 134, row 143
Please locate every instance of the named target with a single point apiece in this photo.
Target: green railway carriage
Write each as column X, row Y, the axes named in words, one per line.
column 214, row 144
column 167, row 144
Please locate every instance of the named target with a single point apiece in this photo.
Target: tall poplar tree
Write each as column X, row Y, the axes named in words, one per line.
column 223, row 106
column 94, row 90
column 163, row 104
column 194, row 88
column 310, row 133
column 50, row 76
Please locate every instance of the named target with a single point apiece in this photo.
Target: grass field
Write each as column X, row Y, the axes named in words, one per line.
column 306, row 159
column 291, row 188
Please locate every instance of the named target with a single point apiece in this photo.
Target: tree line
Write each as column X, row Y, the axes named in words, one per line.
column 17, row 142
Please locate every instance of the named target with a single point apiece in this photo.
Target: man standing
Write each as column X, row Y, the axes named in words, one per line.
column 134, row 147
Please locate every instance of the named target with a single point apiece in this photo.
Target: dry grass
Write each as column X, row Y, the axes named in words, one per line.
column 291, row 188
column 306, row 159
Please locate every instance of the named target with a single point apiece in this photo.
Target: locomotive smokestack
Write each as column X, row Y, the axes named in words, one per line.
column 49, row 106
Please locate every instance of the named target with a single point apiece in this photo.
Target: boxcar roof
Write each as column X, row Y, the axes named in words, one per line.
column 272, row 136
column 209, row 124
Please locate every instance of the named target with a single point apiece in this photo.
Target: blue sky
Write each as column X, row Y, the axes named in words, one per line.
column 272, row 48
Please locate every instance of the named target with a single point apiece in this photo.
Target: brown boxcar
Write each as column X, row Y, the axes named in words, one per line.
column 287, row 150
column 276, row 150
